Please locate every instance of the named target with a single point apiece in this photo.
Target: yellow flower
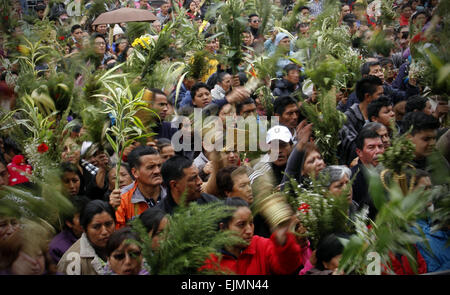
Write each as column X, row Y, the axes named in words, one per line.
column 23, row 49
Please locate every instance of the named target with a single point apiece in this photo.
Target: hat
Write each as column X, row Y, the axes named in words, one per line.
column 117, row 30
column 278, row 132
column 17, row 170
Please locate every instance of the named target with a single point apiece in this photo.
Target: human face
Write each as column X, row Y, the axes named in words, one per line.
column 226, row 111
column 285, row 42
column 248, row 110
column 71, row 182
column 29, row 264
column 242, row 224
column 345, row 10
column 377, row 71
column 193, row 6
column 8, row 226
column 4, row 175
column 156, row 26
column 156, row 237
column 424, row 142
column 160, row 105
column 126, row 260
column 385, row 116
column 75, row 225
column 167, row 152
column 427, row 110
column 226, row 83
column 293, row 76
column 247, row 39
column 424, row 183
column 99, row 46
column 165, row 8
column 305, row 12
column 78, row 35
column 230, row 158
column 149, row 171
column 101, row 29
column 100, row 229
column 284, row 150
column 373, row 147
column 211, row 45
column 336, row 188
column 241, row 188
column 254, row 22
column 333, row 263
column 124, row 178
column 313, row 164
column 190, row 182
column 407, row 11
column 202, row 98
column 384, row 134
column 376, row 94
column 123, row 45
column 71, row 152
column 289, row 118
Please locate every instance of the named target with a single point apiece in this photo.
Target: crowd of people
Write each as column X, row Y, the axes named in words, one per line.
column 95, row 237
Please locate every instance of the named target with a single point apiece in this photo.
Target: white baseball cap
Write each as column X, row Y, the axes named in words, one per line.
column 279, row 132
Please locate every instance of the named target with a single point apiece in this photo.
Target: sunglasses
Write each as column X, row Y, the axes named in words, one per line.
column 132, row 254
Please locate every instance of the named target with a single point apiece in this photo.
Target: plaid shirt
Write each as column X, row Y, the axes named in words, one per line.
column 315, row 8
column 89, row 167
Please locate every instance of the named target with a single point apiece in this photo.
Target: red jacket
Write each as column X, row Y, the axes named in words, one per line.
column 262, row 257
column 400, row 264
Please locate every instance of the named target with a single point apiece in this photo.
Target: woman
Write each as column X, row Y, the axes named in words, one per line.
column 327, row 256
column 257, row 256
column 124, row 254
column 233, row 181
column 155, row 221
column 72, row 179
column 88, row 255
column 123, row 50
column 222, row 87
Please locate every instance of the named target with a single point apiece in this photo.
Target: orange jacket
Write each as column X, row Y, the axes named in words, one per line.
column 127, row 210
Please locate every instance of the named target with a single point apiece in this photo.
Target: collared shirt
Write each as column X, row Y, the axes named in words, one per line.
column 315, row 8
column 139, row 197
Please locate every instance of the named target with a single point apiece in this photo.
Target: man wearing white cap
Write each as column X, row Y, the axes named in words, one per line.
column 277, row 136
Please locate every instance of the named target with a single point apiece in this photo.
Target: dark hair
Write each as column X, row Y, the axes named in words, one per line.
column 327, row 248
column 240, row 105
column 224, row 178
column 304, row 7
column 172, row 169
column 157, row 91
column 118, row 237
column 10, row 145
column 424, row 12
column 252, row 15
column 70, row 167
column 367, row 85
column 375, row 126
column 151, row 218
column 373, row 109
column 290, row 67
column 134, row 156
column 232, row 202
column 78, row 202
column 419, row 122
column 221, row 76
column 75, row 27
column 280, row 104
column 92, row 208
column 196, row 87
column 365, row 68
column 98, row 35
column 385, row 61
column 363, row 134
column 162, row 143
column 420, row 174
column 415, row 103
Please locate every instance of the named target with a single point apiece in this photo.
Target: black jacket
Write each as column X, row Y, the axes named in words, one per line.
column 347, row 148
column 361, row 190
column 168, row 204
column 284, row 87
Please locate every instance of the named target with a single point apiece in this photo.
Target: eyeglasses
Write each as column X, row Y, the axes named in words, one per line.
column 255, row 21
column 132, row 254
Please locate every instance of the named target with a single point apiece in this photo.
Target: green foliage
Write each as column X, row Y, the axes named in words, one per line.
column 189, row 238
column 391, row 233
column 399, row 154
column 327, row 121
column 318, row 211
column 379, row 44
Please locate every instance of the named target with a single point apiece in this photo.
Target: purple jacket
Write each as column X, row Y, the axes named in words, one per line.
column 61, row 243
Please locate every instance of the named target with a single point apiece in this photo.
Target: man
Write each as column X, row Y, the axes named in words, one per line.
column 368, row 148
column 145, row 163
column 368, row 89
column 406, row 12
column 374, row 68
column 315, row 7
column 380, row 110
column 418, row 103
column 77, row 35
column 423, row 136
column 40, row 9
column 181, row 177
column 290, row 82
column 253, row 22
column 163, row 14
column 281, row 137
column 246, row 108
column 157, row 100
column 286, row 108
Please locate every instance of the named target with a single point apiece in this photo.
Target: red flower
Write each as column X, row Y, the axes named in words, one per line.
column 304, row 208
column 61, row 38
column 314, row 45
column 360, row 57
column 42, row 148
column 369, row 226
